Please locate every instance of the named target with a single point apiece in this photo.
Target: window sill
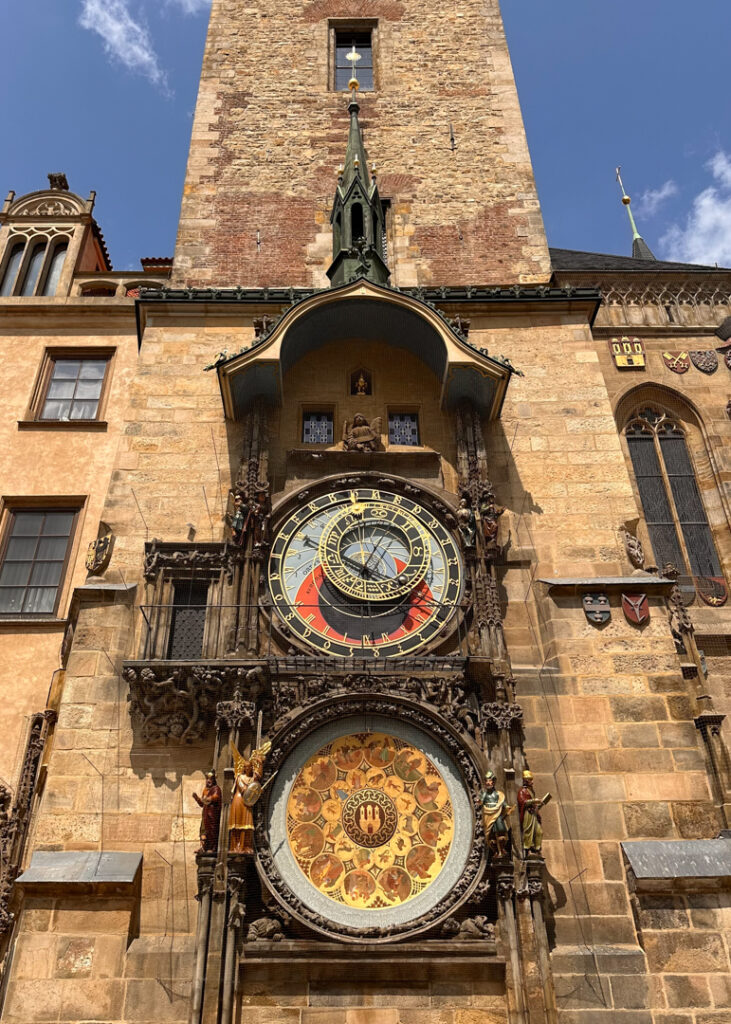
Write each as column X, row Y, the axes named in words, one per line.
column 93, row 425
column 24, row 623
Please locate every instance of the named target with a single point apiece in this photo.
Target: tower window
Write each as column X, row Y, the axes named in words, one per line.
column 317, row 428
column 33, row 270
column 11, row 268
column 345, row 41
column 403, row 428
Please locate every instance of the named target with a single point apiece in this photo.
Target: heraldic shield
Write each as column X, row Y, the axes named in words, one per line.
column 98, row 554
column 596, row 608
column 678, row 362
column 636, row 608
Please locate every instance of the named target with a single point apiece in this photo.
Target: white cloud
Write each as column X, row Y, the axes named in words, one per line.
column 125, row 39
column 706, row 235
column 651, row 200
column 190, row 6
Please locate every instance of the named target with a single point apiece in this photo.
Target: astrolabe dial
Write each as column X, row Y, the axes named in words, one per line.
column 365, row 573
column 374, row 550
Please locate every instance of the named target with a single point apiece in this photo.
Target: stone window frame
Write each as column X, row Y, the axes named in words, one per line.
column 359, row 26
column 686, row 421
column 51, row 242
column 9, row 507
column 51, row 355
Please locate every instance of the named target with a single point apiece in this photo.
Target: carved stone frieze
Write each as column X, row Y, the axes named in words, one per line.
column 178, row 704
column 189, row 559
column 404, row 710
column 470, row 930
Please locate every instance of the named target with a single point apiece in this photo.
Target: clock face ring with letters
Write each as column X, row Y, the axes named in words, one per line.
column 365, row 573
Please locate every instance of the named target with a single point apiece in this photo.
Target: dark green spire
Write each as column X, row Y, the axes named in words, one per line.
column 357, row 215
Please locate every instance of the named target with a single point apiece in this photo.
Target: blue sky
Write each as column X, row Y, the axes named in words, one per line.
column 105, row 90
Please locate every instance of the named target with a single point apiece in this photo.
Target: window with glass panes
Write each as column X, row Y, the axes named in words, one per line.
column 403, row 428
column 317, row 428
column 74, row 389
column 674, row 512
column 345, row 40
column 33, row 560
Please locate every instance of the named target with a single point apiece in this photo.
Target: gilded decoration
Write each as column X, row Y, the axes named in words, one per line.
column 369, row 821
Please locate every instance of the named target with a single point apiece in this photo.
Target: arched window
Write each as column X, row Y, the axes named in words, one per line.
column 33, row 270
column 11, row 268
column 672, row 504
column 55, row 266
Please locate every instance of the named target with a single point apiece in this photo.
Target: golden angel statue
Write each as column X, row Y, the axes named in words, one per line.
column 248, row 773
column 362, row 436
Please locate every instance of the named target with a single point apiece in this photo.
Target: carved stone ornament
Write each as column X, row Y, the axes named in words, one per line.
column 634, row 549
column 327, row 711
column 596, row 608
column 728, row 408
column 47, row 206
column 705, row 361
column 188, row 558
column 505, row 887
column 501, row 715
column 451, row 694
column 727, row 359
column 470, row 930
column 360, row 435
column 237, row 712
column 176, row 704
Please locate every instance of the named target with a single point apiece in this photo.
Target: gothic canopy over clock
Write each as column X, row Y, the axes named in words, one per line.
column 365, row 572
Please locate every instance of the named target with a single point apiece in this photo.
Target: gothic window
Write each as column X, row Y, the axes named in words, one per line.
column 34, row 556
column 403, row 428
column 33, row 268
column 345, row 41
column 11, row 269
column 71, row 386
column 55, row 266
column 672, row 504
column 317, row 428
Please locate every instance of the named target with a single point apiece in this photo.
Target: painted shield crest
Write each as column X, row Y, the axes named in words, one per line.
column 596, row 608
column 727, row 359
column 636, row 608
column 678, row 362
column 98, row 554
column 706, row 361
column 712, row 590
column 252, row 793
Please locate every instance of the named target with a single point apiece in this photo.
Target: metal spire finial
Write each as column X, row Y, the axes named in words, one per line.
column 353, row 57
column 640, row 249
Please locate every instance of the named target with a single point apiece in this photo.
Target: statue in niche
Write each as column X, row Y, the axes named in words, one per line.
column 361, row 383
column 495, row 812
column 210, row 802
column 251, row 515
column 362, row 436
column 248, row 772
column 466, row 523
column 490, row 513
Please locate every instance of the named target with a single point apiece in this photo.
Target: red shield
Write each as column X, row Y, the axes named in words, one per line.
column 636, row 608
column 678, row 362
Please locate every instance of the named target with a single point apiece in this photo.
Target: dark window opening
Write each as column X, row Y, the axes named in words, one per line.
column 187, row 621
column 356, row 223
column 345, row 41
column 11, row 269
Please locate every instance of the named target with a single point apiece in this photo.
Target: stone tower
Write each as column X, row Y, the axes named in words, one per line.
column 387, row 558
